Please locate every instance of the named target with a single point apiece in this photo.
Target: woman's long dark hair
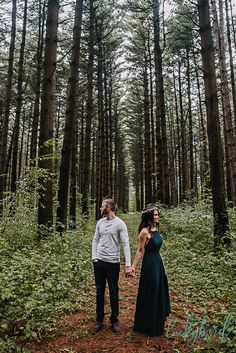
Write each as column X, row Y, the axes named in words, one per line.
column 147, row 219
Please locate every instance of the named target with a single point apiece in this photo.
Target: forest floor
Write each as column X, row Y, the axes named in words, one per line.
column 74, row 331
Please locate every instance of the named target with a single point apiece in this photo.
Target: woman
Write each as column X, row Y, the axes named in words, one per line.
column 153, row 304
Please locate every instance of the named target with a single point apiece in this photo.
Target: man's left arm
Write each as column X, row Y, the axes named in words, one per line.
column 123, row 232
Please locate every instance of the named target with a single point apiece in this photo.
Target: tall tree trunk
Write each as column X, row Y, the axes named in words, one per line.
column 173, row 184
column 106, row 135
column 179, row 173
column 153, row 145
column 35, row 123
column 16, row 131
column 141, row 174
column 21, row 146
column 147, row 144
column 231, row 61
column 81, row 148
column 70, row 123
column 204, row 159
column 89, row 115
column 182, row 139
column 73, row 178
column 190, row 120
column 160, row 101
column 230, row 147
column 93, row 167
column 45, row 209
column 1, row 117
column 221, row 222
column 28, row 129
column 100, row 161
column 232, row 23
column 116, row 151
column 110, row 147
column 4, row 136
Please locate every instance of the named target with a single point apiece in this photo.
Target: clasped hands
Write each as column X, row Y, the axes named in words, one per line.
column 129, row 271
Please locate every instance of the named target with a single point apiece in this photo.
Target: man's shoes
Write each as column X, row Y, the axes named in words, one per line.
column 96, row 327
column 116, row 327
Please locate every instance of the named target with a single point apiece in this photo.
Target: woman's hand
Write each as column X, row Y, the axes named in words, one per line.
column 130, row 273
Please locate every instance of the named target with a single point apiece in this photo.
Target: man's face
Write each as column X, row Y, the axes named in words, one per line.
column 104, row 209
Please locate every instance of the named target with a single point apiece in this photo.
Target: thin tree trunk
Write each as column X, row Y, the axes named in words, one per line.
column 173, row 185
column 89, row 115
column 160, row 101
column 93, row 166
column 153, row 146
column 21, row 146
column 147, row 145
column 182, row 139
column 81, row 150
column 204, row 158
column 35, row 123
column 100, row 161
column 232, row 23
column 4, row 136
column 110, row 147
column 106, row 137
column 141, row 174
column 73, row 178
column 179, row 173
column 16, row 131
column 231, row 61
column 190, row 127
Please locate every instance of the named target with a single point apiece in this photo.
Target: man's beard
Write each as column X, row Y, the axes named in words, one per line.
column 104, row 212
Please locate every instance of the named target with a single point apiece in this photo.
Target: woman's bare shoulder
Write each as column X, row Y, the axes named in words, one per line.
column 144, row 233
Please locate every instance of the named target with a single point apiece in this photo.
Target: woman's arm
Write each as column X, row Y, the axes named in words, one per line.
column 143, row 236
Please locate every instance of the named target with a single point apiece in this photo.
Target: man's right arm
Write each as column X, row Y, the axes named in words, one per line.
column 95, row 243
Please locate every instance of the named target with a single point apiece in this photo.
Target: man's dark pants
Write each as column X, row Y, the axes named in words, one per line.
column 107, row 271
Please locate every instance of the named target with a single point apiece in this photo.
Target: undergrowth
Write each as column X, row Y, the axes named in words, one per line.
column 42, row 280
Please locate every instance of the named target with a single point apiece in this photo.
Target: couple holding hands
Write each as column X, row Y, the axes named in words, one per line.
column 153, row 304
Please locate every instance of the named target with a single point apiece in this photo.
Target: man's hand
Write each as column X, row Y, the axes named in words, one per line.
column 129, row 271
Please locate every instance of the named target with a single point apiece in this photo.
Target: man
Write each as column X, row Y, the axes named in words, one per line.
column 110, row 231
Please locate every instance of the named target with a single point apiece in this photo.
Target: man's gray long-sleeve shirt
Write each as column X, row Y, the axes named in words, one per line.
column 108, row 235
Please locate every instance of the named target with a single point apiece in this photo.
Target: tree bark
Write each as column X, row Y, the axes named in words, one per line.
column 221, row 222
column 45, row 208
column 182, row 139
column 147, row 144
column 190, row 127
column 35, row 123
column 16, row 131
column 231, row 61
column 230, row 147
column 89, row 115
column 70, row 123
column 160, row 106
column 5, row 127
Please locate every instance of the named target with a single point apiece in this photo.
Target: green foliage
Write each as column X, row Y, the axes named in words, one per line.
column 39, row 280
column 42, row 280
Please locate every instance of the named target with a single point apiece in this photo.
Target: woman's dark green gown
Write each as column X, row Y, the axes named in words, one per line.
column 153, row 303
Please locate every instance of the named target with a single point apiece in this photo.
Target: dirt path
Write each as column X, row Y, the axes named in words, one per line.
column 76, row 336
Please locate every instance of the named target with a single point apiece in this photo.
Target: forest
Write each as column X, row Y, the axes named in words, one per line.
column 129, row 99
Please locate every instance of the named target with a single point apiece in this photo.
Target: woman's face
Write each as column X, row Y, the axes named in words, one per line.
column 155, row 217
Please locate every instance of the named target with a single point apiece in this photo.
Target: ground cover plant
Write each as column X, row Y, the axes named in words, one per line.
column 43, row 281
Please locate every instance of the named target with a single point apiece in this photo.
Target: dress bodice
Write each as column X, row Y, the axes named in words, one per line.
column 155, row 243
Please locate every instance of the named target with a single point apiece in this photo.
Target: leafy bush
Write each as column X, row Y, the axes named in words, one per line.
column 39, row 279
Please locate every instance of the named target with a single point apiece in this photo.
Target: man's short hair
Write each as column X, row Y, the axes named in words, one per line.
column 111, row 203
